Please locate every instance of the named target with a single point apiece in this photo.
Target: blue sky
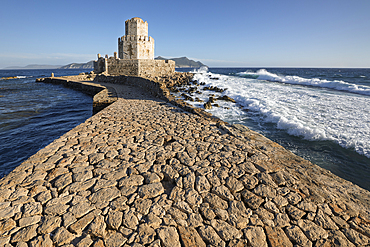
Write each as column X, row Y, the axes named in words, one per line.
column 297, row 33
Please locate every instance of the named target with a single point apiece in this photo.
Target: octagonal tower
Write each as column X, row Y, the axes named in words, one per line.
column 136, row 44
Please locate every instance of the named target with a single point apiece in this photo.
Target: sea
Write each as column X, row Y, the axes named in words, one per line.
column 322, row 115
column 33, row 114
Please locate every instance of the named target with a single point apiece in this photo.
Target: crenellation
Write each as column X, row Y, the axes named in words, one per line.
column 135, row 54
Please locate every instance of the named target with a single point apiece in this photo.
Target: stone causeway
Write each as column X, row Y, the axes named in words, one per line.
column 145, row 172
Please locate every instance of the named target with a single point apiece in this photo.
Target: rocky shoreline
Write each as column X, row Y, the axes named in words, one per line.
column 151, row 170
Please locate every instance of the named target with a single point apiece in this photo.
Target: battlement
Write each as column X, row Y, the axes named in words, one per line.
column 135, row 38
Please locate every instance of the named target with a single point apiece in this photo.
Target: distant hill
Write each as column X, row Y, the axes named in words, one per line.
column 35, row 66
column 183, row 62
column 88, row 65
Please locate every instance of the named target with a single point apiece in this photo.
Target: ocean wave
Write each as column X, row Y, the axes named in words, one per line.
column 338, row 85
column 310, row 113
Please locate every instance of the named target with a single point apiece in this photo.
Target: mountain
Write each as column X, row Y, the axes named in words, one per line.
column 88, row 65
column 183, row 62
column 35, row 66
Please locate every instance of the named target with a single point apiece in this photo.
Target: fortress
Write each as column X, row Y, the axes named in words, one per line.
column 135, row 54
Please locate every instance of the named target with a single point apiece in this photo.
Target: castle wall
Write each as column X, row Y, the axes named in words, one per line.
column 140, row 67
column 136, row 47
column 156, row 67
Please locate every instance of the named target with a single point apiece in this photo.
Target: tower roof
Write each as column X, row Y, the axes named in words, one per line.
column 135, row 19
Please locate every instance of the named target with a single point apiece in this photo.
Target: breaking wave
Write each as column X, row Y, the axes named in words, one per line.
column 263, row 74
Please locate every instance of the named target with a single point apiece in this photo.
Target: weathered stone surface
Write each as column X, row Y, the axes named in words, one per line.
column 42, row 241
column 27, row 221
column 234, row 184
column 277, row 237
column 25, row 234
column 225, row 230
column 9, row 212
column 104, row 196
column 265, row 191
column 43, row 197
column 86, row 241
column 253, row 201
column 169, row 236
column 114, row 219
column 337, row 238
column 146, row 234
column 210, row 236
column 80, row 225
column 294, row 212
column 81, row 208
column 293, row 198
column 325, row 221
column 49, row 224
column 256, row 236
column 215, row 201
column 185, row 159
column 281, row 220
column 133, row 180
column 312, row 231
column 270, row 206
column 119, row 203
column 142, row 205
column 94, row 158
column 238, row 208
column 130, row 220
column 7, row 225
column 97, row 227
column 68, row 219
column 116, row 239
column 62, row 236
column 63, row 180
column 102, row 184
column 150, row 190
column 296, row 235
column 356, row 237
column 307, row 206
column 83, row 175
column 202, row 184
column 223, row 192
column 190, row 237
column 56, row 209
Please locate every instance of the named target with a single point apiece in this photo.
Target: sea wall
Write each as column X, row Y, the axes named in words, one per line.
column 102, row 97
column 144, row 172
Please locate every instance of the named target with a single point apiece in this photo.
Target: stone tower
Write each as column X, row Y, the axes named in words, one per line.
column 136, row 44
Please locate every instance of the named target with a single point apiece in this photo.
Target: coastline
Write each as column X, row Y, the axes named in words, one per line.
column 337, row 208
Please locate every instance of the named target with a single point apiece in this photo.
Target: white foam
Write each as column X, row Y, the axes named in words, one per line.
column 313, row 113
column 263, row 74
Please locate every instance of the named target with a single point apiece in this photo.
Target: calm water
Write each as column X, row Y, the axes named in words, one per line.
column 322, row 115
column 33, row 114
